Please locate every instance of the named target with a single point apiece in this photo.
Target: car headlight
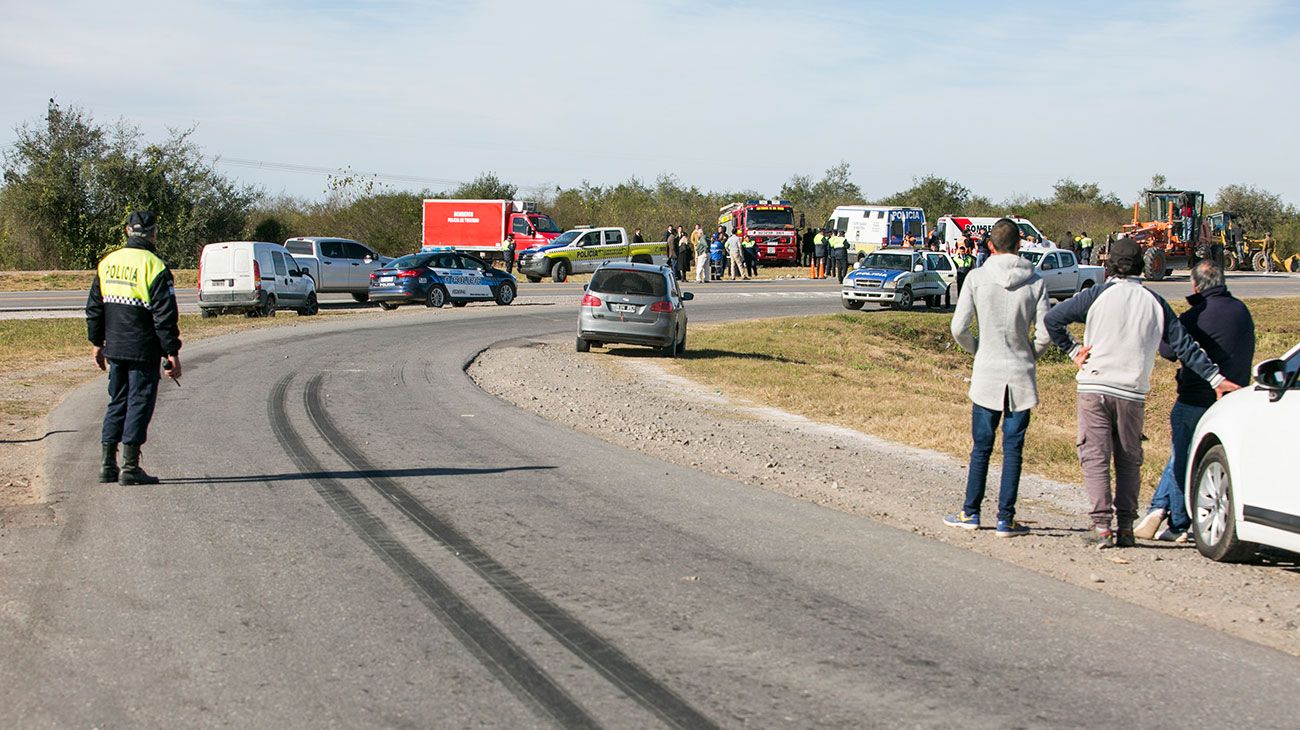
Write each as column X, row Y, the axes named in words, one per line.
column 888, row 284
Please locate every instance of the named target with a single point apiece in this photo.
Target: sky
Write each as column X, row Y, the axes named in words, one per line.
column 1006, row 98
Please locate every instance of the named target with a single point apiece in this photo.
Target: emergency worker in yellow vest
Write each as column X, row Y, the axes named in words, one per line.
column 839, row 255
column 131, row 321
column 819, row 254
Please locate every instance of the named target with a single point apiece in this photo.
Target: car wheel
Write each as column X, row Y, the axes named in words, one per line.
column 437, row 297
column 268, row 309
column 560, row 272
column 505, row 293
column 388, row 306
column 207, row 313
column 535, row 279
column 1214, row 517
column 361, row 297
column 458, row 305
column 1087, row 285
column 932, row 302
column 583, row 345
column 905, row 300
column 852, row 303
column 309, row 308
column 681, row 346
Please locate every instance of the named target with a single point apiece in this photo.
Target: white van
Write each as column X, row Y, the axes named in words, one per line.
column 869, row 227
column 953, row 228
column 253, row 278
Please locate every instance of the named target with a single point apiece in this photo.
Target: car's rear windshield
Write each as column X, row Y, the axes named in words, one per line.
column 635, row 283
column 302, row 247
column 413, row 261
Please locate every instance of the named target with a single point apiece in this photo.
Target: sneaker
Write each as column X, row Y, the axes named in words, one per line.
column 1101, row 538
column 1124, row 538
column 963, row 520
column 1011, row 528
column 1149, row 525
column 1169, row 534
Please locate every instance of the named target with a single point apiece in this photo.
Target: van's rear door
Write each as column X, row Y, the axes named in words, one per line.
column 218, row 268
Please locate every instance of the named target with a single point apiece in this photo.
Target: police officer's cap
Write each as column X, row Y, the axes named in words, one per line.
column 142, row 222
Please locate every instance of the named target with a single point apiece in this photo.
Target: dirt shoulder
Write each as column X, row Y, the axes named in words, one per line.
column 642, row 404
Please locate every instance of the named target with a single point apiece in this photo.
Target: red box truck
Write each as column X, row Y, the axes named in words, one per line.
column 480, row 226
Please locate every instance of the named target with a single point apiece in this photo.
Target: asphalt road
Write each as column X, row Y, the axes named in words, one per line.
column 353, row 534
column 71, row 304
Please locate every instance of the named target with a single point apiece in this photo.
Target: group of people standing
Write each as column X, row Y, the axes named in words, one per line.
column 1125, row 326
column 718, row 255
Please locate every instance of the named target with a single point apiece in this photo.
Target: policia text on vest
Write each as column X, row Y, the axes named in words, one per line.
column 131, row 322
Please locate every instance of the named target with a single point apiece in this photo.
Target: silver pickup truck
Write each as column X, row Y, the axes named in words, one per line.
column 337, row 264
column 1064, row 275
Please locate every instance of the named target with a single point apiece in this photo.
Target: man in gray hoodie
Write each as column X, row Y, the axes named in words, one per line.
column 1009, row 299
column 1125, row 325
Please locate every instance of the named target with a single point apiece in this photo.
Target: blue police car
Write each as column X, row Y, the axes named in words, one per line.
column 439, row 277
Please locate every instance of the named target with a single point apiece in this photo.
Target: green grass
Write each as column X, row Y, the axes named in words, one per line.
column 11, row 281
column 900, row 376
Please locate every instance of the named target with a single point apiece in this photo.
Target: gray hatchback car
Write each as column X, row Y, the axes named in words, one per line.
column 634, row 304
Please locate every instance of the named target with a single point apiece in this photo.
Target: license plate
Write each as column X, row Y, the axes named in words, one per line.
column 623, row 307
column 771, row 250
column 385, row 280
column 217, row 282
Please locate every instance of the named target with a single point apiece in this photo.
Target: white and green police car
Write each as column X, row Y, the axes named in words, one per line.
column 895, row 277
column 583, row 250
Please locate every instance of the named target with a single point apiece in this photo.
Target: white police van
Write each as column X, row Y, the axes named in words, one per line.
column 869, row 227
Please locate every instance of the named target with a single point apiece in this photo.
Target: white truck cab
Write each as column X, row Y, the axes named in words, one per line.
column 954, row 228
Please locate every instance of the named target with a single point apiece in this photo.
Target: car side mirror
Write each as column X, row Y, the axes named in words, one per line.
column 1271, row 375
column 295, row 272
column 918, row 268
column 584, row 287
column 687, row 296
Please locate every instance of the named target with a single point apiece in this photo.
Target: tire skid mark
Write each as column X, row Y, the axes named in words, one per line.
column 594, row 650
column 502, row 657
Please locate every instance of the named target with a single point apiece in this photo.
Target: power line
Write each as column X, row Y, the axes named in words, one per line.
column 326, row 171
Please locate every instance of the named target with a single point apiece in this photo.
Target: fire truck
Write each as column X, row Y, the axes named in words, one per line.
column 770, row 223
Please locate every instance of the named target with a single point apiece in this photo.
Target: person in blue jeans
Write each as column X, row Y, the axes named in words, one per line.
column 1221, row 324
column 1009, row 299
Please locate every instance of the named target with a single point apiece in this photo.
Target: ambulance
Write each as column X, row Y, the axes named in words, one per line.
column 869, row 227
column 953, row 229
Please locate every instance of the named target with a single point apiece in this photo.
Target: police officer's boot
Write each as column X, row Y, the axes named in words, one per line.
column 108, row 466
column 132, row 474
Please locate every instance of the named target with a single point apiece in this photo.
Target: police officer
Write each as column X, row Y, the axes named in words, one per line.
column 819, row 254
column 750, row 252
column 964, row 262
column 839, row 254
column 508, row 249
column 131, row 323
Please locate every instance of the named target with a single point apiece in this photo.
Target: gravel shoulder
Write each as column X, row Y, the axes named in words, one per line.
column 641, row 403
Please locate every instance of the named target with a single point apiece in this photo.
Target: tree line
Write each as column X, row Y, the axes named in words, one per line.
column 70, row 182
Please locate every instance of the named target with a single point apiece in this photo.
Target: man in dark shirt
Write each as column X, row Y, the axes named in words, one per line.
column 1221, row 324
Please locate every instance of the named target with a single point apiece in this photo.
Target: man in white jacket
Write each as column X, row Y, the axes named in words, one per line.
column 1009, row 299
